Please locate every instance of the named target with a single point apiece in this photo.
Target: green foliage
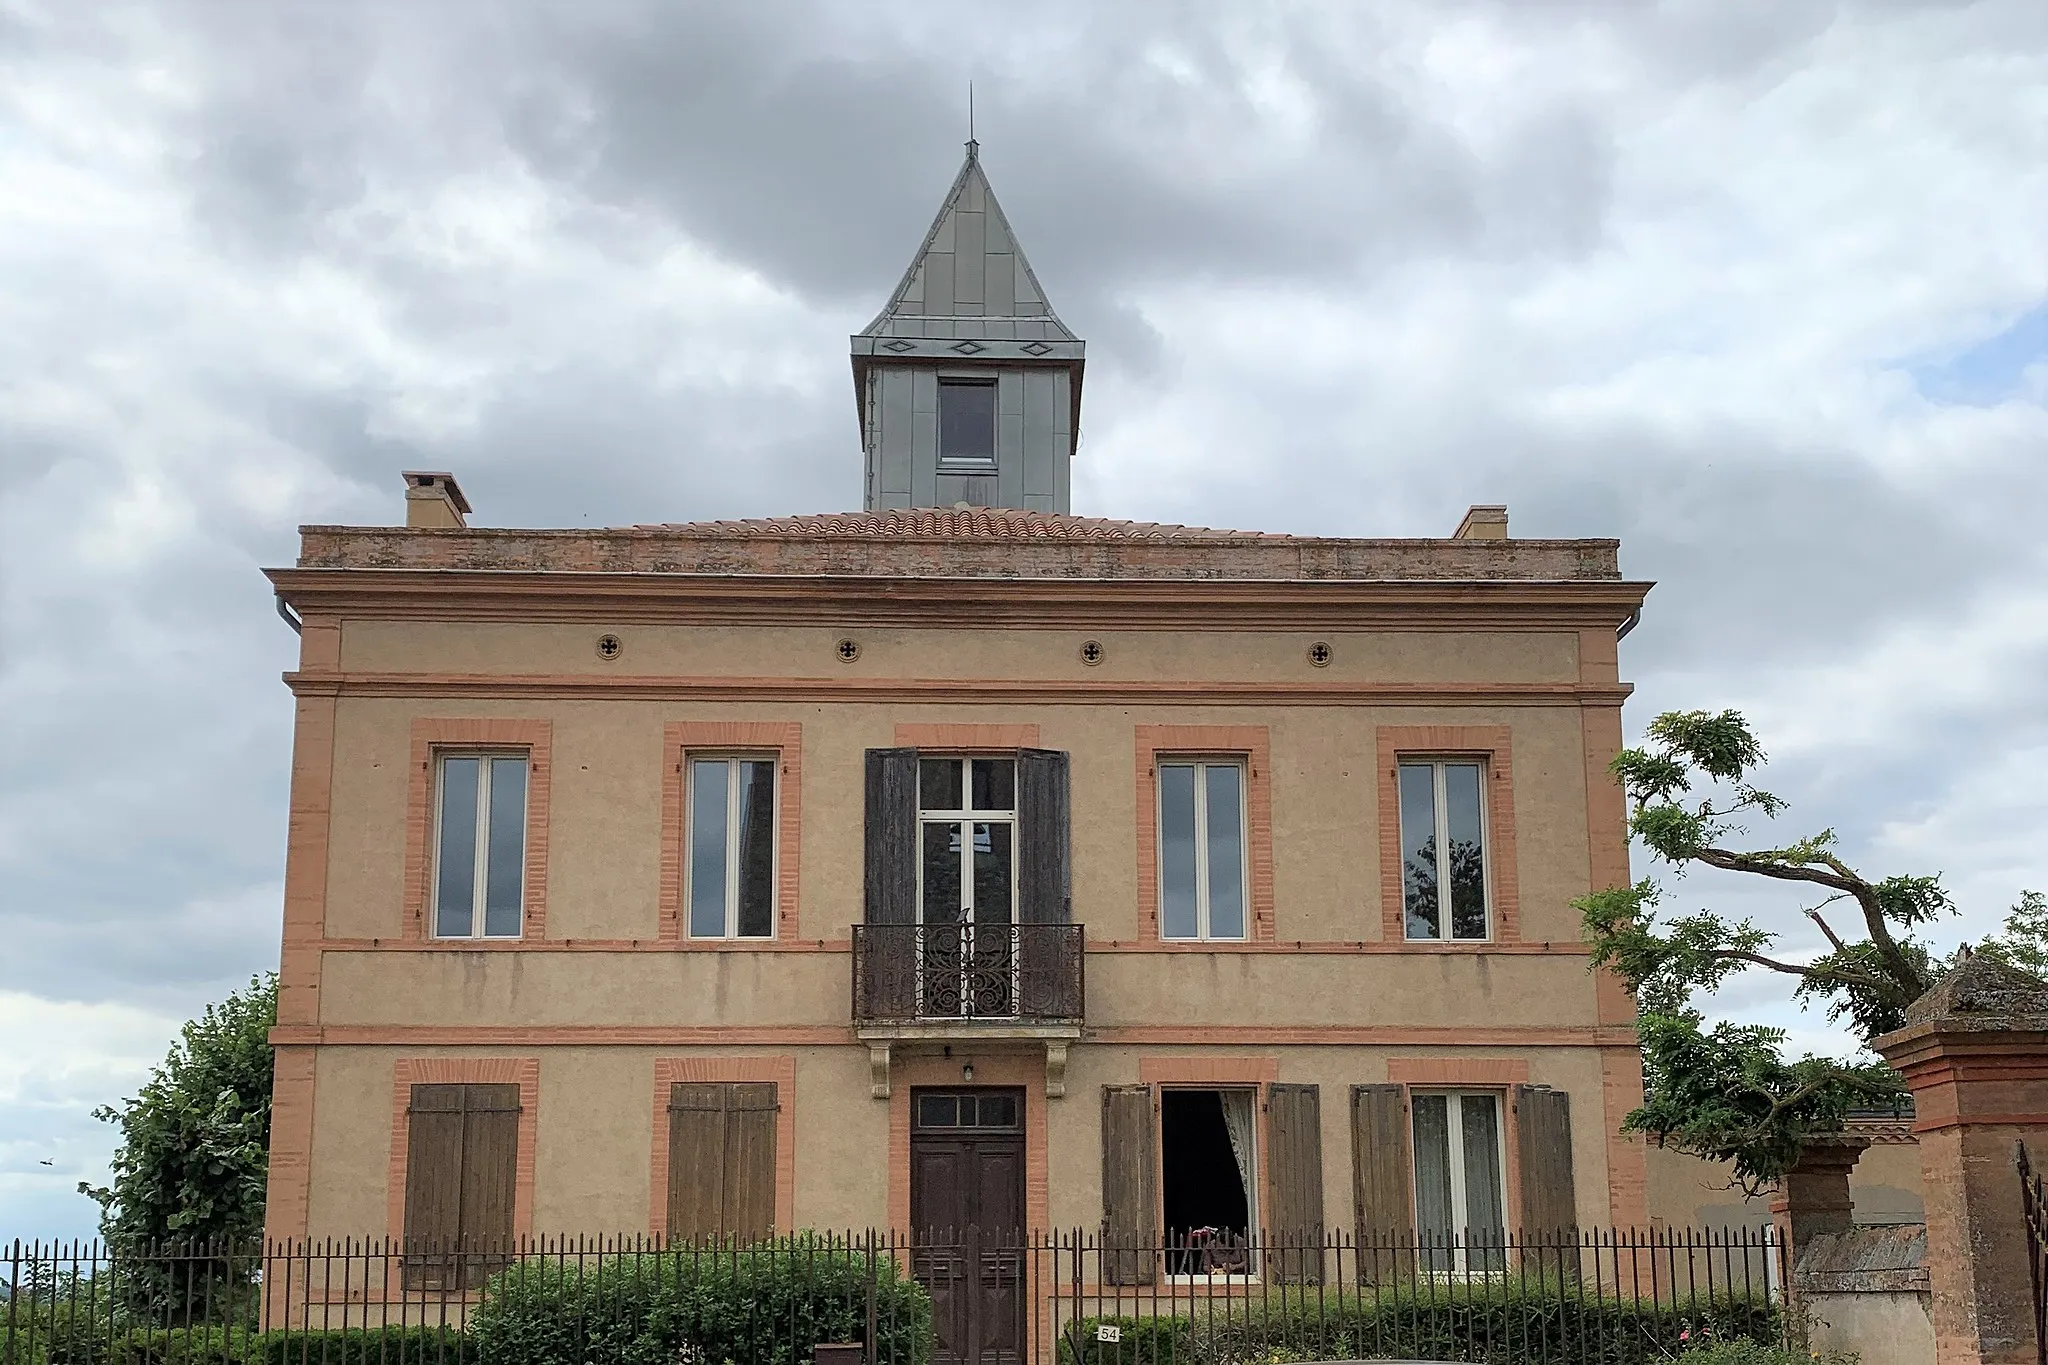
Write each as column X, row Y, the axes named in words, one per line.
column 1728, row 1092
column 2024, row 941
column 66, row 1342
column 1743, row 1351
column 768, row 1306
column 193, row 1156
column 1457, row 1321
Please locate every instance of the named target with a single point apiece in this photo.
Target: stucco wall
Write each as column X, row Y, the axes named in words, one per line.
column 597, row 1110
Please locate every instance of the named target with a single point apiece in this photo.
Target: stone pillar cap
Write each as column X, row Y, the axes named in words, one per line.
column 1981, row 994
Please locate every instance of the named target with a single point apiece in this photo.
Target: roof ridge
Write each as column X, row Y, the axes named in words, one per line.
column 951, row 523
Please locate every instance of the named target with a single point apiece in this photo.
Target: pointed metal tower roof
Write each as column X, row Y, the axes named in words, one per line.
column 969, row 291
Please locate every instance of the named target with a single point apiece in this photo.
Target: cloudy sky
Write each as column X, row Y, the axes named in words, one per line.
column 1760, row 288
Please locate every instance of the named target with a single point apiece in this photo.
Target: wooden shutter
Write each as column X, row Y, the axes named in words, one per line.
column 461, row 1178
column 490, row 1166
column 433, row 1170
column 1044, row 879
column 749, row 1204
column 886, row 974
column 1382, row 1182
column 891, row 863
column 1129, row 1185
column 1294, row 1176
column 721, row 1161
column 1049, row 979
column 1543, row 1156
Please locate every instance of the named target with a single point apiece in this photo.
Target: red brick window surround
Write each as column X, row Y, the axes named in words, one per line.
column 432, row 736
column 410, row 1071
column 1490, row 745
column 784, row 739
column 779, row 1070
column 1250, row 744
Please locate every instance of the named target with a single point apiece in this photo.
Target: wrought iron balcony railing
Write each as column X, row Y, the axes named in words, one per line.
column 1028, row 973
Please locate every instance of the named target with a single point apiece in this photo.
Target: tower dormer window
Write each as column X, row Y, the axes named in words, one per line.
column 967, row 424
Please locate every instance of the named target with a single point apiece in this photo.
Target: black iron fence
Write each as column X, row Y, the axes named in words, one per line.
column 965, row 1297
column 2034, row 1207
column 1031, row 972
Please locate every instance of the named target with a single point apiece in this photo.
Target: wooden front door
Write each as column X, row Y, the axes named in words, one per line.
column 967, row 1220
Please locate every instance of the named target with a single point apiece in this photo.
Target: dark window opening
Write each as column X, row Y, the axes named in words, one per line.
column 1207, row 1166
column 967, row 423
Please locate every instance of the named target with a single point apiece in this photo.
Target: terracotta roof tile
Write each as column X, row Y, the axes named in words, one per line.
column 952, row 523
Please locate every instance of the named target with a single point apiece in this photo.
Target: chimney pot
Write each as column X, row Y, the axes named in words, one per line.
column 1483, row 521
column 434, row 500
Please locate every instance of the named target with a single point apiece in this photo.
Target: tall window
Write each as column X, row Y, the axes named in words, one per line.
column 479, row 845
column 1201, row 850
column 732, row 847
column 1443, row 850
column 967, row 424
column 967, row 825
column 1458, row 1178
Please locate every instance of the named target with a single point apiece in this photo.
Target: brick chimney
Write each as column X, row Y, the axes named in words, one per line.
column 433, row 500
column 1483, row 521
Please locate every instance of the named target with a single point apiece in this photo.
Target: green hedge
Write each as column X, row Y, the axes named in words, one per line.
column 766, row 1305
column 76, row 1342
column 1481, row 1323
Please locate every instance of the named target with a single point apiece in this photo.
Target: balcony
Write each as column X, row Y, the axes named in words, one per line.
column 949, row 983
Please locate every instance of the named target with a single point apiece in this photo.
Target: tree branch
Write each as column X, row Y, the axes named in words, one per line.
column 1794, row 969
column 1905, row 982
column 1814, row 915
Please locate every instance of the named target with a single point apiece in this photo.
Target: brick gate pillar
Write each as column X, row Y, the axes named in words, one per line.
column 1974, row 1052
column 1813, row 1197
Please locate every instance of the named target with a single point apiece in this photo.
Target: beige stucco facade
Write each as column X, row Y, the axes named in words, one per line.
column 409, row 638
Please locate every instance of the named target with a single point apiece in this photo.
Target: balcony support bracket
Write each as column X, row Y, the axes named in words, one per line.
column 1056, row 1068
column 878, row 1070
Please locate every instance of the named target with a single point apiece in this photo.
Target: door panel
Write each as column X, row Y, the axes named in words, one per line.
column 967, row 1217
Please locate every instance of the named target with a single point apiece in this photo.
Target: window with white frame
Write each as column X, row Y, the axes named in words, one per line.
column 731, row 872
column 479, row 845
column 1443, row 849
column 1202, row 890
column 967, row 840
column 1459, row 1178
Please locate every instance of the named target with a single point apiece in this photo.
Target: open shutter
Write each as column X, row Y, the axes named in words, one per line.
column 887, row 979
column 891, row 865
column 433, row 1171
column 1129, row 1185
column 749, row 1201
column 1049, row 981
column 1543, row 1152
column 1381, row 1182
column 1294, row 1175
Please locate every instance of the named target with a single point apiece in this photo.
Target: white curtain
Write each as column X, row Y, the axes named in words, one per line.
column 1240, row 1110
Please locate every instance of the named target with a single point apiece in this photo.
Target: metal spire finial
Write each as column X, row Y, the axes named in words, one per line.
column 972, row 145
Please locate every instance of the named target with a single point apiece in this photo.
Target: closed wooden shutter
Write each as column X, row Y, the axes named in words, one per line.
column 433, row 1170
column 1543, row 1152
column 1294, row 1176
column 1049, row 982
column 721, row 1161
column 1382, row 1182
column 461, row 1178
column 1130, row 1195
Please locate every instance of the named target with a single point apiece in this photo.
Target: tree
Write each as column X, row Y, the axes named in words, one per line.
column 195, row 1142
column 1728, row 1092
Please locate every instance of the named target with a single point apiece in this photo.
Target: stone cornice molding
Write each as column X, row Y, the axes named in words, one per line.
column 1036, row 691
column 1028, row 603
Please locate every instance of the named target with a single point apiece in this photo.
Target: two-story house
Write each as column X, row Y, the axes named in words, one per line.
column 955, row 861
